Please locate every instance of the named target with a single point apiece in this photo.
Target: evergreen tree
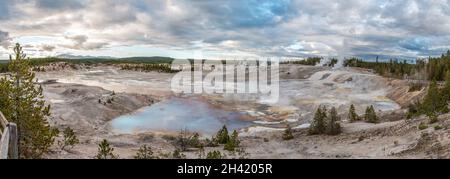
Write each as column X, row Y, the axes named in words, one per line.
column 352, row 114
column 445, row 92
column 433, row 101
column 222, row 136
column 287, row 135
column 22, row 102
column 333, row 126
column 318, row 123
column 370, row 115
column 105, row 151
column 233, row 142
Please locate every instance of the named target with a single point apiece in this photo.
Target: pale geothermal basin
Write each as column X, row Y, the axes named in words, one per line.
column 302, row 90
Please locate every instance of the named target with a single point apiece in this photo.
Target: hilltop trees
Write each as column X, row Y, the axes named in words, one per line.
column 22, row 102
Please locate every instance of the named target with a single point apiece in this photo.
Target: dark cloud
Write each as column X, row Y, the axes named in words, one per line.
column 59, row 4
column 47, row 48
column 80, row 42
column 5, row 40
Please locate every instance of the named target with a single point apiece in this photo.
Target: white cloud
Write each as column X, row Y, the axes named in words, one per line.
column 285, row 27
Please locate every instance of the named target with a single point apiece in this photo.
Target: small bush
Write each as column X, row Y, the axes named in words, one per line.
column 70, row 139
column 145, row 152
column 287, row 135
column 422, row 126
column 433, row 118
column 177, row 154
column 214, row 155
column 437, row 127
column 194, row 141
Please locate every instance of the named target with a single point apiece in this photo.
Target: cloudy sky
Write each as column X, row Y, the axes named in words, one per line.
column 220, row 28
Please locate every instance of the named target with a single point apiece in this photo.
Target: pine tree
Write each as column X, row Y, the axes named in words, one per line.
column 370, row 115
column 105, row 151
column 22, row 102
column 287, row 135
column 333, row 126
column 318, row 123
column 222, row 136
column 352, row 114
column 445, row 92
column 233, row 142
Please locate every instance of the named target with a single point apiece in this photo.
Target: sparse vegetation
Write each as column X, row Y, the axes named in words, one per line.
column 145, row 152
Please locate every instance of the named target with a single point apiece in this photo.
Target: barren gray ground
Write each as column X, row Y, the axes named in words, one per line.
column 81, row 99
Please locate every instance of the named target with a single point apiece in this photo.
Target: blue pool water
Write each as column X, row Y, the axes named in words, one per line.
column 179, row 113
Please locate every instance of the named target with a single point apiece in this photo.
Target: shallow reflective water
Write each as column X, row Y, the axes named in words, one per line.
column 178, row 113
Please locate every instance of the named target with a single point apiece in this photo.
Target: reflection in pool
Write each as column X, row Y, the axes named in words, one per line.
column 178, row 113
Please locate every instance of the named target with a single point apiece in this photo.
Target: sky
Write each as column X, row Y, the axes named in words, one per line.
column 222, row 29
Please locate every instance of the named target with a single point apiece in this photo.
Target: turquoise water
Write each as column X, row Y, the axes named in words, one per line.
column 179, row 113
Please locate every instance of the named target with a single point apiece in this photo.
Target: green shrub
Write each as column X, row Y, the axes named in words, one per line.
column 214, row 155
column 287, row 135
column 69, row 140
column 422, row 126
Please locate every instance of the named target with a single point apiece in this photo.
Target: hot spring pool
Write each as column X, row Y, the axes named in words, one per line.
column 175, row 114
